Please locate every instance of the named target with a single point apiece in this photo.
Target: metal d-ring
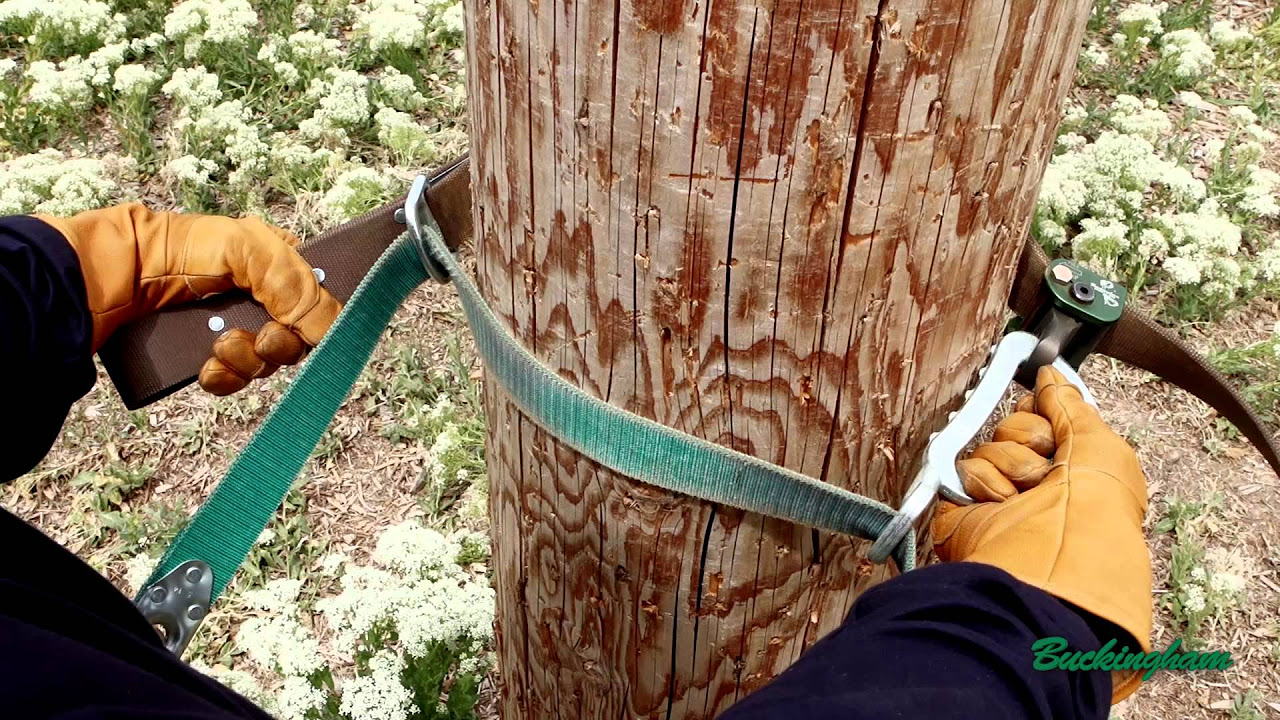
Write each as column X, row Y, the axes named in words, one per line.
column 417, row 215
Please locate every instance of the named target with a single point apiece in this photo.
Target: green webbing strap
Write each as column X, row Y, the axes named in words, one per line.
column 230, row 521
column 654, row 453
column 225, row 528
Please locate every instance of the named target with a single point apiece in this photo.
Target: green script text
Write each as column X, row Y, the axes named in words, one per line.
column 1052, row 654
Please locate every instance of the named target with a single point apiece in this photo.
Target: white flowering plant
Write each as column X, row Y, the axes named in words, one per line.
column 438, row 409
column 357, row 191
column 240, row 105
column 407, row 636
column 1237, row 176
column 343, row 108
column 221, row 34
column 455, row 458
column 63, row 28
column 1205, row 584
column 402, row 32
column 301, row 56
column 410, row 143
column 398, row 91
column 52, row 182
column 43, row 100
column 297, row 168
column 1155, row 49
column 1135, row 190
column 191, row 176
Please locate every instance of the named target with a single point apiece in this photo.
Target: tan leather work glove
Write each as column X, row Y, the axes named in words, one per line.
column 1073, row 526
column 136, row 261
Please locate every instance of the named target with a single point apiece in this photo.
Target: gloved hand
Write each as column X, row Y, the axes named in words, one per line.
column 136, row 261
column 1072, row 527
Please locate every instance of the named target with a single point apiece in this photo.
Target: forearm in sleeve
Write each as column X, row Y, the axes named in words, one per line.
column 944, row 642
column 46, row 361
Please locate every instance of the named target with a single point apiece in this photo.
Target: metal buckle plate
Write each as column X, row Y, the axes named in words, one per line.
column 178, row 602
column 1082, row 306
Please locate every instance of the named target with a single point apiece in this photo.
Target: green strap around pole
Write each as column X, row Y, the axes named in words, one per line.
column 654, row 453
column 229, row 522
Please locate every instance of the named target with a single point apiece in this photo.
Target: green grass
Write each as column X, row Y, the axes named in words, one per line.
column 1247, row 706
column 436, row 408
column 106, row 490
column 1255, row 368
column 109, row 524
column 288, row 547
column 1196, row 14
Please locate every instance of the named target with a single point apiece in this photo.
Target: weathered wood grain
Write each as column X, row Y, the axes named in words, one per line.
column 788, row 227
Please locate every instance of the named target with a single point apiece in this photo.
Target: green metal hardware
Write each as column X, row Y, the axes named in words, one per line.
column 1083, row 306
column 1084, row 294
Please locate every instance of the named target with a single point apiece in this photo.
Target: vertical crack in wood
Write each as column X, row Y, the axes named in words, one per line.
column 733, row 223
column 873, row 62
column 939, row 146
column 788, row 155
column 831, row 265
column 729, row 262
column 727, row 389
column 759, row 522
column 695, row 390
column 697, row 614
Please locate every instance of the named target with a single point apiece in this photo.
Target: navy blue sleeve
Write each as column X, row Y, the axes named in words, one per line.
column 944, row 642
column 71, row 646
column 48, row 356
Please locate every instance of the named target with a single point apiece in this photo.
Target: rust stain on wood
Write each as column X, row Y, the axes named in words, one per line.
column 663, row 16
column 724, row 68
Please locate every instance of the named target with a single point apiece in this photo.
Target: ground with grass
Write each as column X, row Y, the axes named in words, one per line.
column 367, row 597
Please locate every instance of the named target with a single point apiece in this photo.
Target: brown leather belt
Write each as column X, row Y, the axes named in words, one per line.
column 163, row 352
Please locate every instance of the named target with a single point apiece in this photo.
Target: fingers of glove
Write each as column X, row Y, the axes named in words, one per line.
column 952, row 528
column 279, row 345
column 1026, row 403
column 313, row 324
column 983, row 481
column 289, row 238
column 1029, row 429
column 218, row 379
column 234, row 349
column 1023, row 467
column 1083, row 439
column 288, row 288
column 260, row 259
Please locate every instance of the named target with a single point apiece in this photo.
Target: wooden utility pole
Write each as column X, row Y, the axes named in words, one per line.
column 786, row 226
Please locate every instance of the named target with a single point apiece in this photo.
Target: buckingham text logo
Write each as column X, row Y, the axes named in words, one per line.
column 1052, row 653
